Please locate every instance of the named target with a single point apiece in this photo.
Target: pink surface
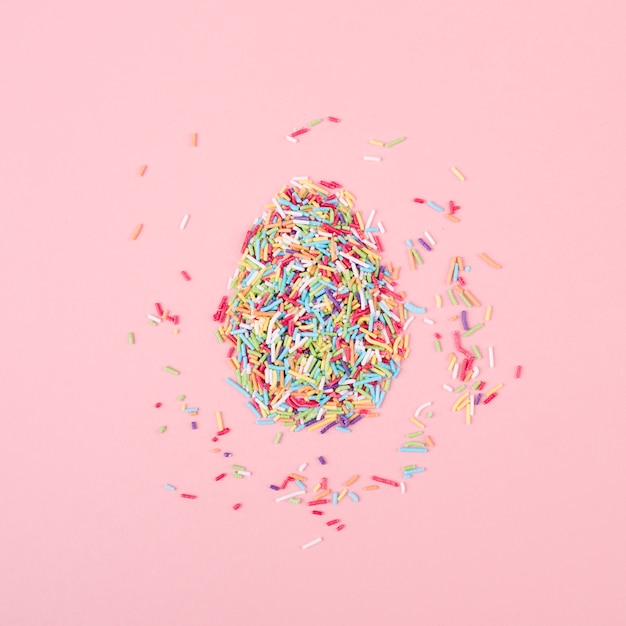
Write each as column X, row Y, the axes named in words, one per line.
column 519, row 519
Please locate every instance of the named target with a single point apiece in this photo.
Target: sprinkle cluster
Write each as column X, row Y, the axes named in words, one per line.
column 315, row 322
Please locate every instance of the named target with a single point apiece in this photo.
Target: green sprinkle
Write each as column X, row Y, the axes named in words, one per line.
column 315, row 122
column 219, row 337
column 417, row 256
column 476, row 385
column 237, row 475
column 464, row 298
column 429, row 414
column 473, row 329
column 437, row 345
column 459, row 389
column 162, row 429
column 152, row 323
column 171, row 370
column 395, row 142
column 238, row 467
column 181, row 398
column 476, row 352
column 294, row 500
column 417, row 433
column 278, row 437
column 452, row 298
column 131, row 338
column 408, row 467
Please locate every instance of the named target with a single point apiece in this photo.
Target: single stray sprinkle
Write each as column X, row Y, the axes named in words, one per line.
column 312, row 543
column 457, row 173
column 171, row 370
column 136, row 231
column 372, row 158
column 490, row 261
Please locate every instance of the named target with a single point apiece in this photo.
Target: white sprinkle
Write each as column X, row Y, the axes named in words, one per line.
column 447, row 388
column 381, row 228
column 455, row 371
column 429, row 237
column 372, row 158
column 475, row 371
column 421, row 407
column 427, row 320
column 292, row 139
column 244, row 472
column 293, row 494
column 491, row 359
column 402, row 487
column 184, row 222
column 302, row 467
column 154, row 318
column 311, row 543
column 408, row 323
column 370, row 218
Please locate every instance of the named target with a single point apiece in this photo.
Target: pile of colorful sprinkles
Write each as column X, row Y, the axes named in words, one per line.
column 315, row 322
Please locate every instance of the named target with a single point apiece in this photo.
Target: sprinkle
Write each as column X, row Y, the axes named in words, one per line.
column 518, row 371
column 220, row 476
column 171, row 370
column 490, row 261
column 372, row 158
column 142, row 170
column 420, row 200
column 188, row 496
column 457, row 173
column 237, row 506
column 184, row 222
column 491, row 359
column 351, row 480
column 131, row 339
column 412, row 450
column 353, row 496
column 332, row 522
column 169, row 487
column 375, row 142
column 302, row 467
column 447, row 388
column 194, row 425
column 316, row 512
column 293, row 494
column 322, row 460
column 334, row 119
column 429, row 237
column 312, row 543
column 370, row 487
column 291, row 139
column 395, row 142
column 316, row 122
column 421, row 407
column 194, row 140
column 136, row 232
column 473, row 329
column 185, row 275
column 432, row 205
column 402, row 487
column 387, row 481
column 488, row 313
column 427, row 320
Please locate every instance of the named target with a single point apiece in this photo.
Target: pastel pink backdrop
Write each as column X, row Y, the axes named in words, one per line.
column 519, row 519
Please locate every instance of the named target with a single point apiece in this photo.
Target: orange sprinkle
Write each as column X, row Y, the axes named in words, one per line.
column 370, row 487
column 452, row 218
column 194, row 139
column 489, row 260
column 137, row 231
column 142, row 170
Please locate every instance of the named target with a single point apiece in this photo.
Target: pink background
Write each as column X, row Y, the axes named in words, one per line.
column 519, row 519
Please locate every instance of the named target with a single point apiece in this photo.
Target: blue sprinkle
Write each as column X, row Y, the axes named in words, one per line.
column 412, row 449
column 353, row 495
column 342, row 429
column 432, row 205
column 414, row 309
column 239, row 388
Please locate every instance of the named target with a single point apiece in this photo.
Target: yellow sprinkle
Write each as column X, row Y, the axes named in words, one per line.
column 317, row 487
column 437, row 301
column 411, row 259
column 375, row 142
column 458, row 403
column 457, row 173
column 360, row 220
column 488, row 313
column 351, row 480
column 183, row 406
column 468, row 415
column 176, row 331
column 452, row 358
column 470, row 296
column 322, row 423
column 496, row 388
column 489, row 260
column 220, row 420
column 370, row 487
column 142, row 170
column 342, row 495
column 416, row 421
column 137, row 231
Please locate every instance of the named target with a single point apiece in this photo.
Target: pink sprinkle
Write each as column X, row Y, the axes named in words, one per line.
column 237, row 506
column 334, row 119
column 185, row 275
column 518, row 371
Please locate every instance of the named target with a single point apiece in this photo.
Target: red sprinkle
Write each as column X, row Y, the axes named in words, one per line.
column 332, row 521
column 159, row 308
column 237, row 506
column 185, row 275
column 214, row 439
column 188, row 495
column 299, row 132
column 341, row 526
column 317, row 512
column 315, row 502
column 333, row 119
column 393, row 483
column 223, row 432
column 158, row 404
column 419, row 200
column 490, row 397
column 220, row 477
column 518, row 371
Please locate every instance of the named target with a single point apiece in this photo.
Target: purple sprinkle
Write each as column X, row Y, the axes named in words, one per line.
column 464, row 320
column 478, row 397
column 327, row 427
column 274, row 487
column 355, row 419
column 194, row 425
column 322, row 460
column 425, row 245
column 227, row 454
